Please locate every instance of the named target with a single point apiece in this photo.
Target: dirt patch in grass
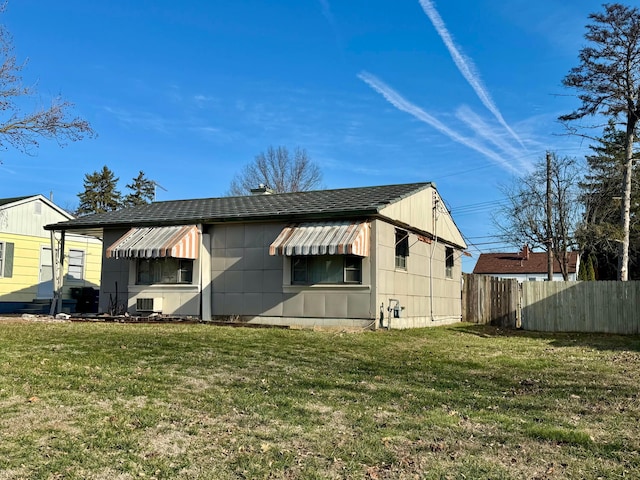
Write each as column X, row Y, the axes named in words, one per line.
column 35, row 415
column 165, row 439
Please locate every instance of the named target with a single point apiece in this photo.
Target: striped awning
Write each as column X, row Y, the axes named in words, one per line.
column 323, row 238
column 152, row 242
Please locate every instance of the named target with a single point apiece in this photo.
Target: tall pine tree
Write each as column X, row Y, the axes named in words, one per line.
column 142, row 191
column 601, row 232
column 608, row 83
column 100, row 193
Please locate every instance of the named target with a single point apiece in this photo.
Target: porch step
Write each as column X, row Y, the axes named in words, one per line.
column 43, row 306
column 36, row 307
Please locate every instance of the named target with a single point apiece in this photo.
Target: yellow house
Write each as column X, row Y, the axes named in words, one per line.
column 26, row 278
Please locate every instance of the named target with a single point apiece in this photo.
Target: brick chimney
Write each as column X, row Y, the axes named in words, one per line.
column 525, row 252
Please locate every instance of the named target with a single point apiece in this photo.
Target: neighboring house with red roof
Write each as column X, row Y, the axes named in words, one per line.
column 524, row 265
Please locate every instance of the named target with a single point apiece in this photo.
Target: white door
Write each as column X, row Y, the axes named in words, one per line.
column 45, row 283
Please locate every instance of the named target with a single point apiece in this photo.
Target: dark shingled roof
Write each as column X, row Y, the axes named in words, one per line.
column 6, row 201
column 346, row 202
column 513, row 263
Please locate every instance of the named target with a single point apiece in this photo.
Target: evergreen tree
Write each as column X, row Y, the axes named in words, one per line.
column 601, row 233
column 586, row 272
column 142, row 191
column 591, row 273
column 100, row 193
column 582, row 271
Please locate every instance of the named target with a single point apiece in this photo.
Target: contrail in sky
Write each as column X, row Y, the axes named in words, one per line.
column 478, row 125
column 465, row 65
column 326, row 12
column 398, row 101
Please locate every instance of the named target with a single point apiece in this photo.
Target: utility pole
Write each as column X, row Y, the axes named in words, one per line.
column 549, row 222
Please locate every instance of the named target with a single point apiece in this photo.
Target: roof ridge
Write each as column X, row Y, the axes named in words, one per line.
column 334, row 203
column 303, row 192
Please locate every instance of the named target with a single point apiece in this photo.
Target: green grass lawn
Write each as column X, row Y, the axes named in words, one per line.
column 124, row 401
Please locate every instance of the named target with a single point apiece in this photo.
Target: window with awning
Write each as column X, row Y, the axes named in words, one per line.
column 323, row 238
column 156, row 242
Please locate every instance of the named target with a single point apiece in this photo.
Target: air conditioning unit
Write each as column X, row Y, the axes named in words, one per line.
column 147, row 305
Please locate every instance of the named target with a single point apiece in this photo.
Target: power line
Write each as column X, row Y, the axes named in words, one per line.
column 483, row 236
column 472, row 208
column 491, row 243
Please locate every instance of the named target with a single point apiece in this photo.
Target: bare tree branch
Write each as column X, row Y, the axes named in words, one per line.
column 280, row 171
column 523, row 220
column 21, row 130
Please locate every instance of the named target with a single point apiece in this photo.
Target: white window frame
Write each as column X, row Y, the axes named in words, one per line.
column 76, row 265
column 3, row 250
column 401, row 249
column 449, row 261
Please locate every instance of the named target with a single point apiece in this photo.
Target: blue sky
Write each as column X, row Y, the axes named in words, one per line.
column 462, row 93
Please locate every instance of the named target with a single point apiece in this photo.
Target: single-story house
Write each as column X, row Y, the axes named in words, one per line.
column 525, row 265
column 26, row 259
column 384, row 255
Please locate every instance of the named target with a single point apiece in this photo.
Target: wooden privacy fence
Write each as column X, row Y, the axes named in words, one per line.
column 589, row 307
column 491, row 300
column 606, row 307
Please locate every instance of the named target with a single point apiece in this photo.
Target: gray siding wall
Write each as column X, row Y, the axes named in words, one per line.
column 183, row 300
column 245, row 279
column 249, row 283
column 416, row 210
column 114, row 272
column 412, row 287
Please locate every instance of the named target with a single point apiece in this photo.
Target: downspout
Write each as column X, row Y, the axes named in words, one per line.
column 433, row 248
column 205, row 274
